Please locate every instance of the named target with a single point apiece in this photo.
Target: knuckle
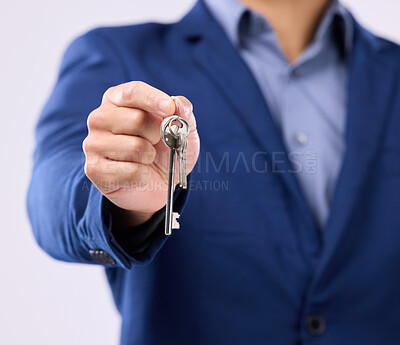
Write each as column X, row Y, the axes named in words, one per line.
column 134, row 170
column 138, row 146
column 137, row 85
column 126, row 91
column 142, row 151
column 89, row 120
column 94, row 119
column 139, row 120
column 90, row 168
column 129, row 89
column 87, row 169
column 150, row 99
column 84, row 145
column 88, row 145
column 149, row 155
column 108, row 92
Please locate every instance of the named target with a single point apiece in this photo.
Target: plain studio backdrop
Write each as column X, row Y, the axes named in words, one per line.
column 43, row 301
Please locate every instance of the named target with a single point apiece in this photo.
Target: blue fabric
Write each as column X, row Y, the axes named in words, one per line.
column 296, row 100
column 249, row 263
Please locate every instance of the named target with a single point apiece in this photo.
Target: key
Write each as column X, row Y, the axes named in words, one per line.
column 181, row 153
column 182, row 132
column 170, row 216
column 174, row 137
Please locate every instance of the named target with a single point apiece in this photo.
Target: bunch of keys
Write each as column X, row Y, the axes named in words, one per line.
column 175, row 137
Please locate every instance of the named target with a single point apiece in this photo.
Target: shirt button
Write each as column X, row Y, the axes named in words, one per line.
column 295, row 72
column 315, row 324
column 300, row 139
column 102, row 257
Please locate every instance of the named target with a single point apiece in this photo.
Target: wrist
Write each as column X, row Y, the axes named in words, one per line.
column 128, row 219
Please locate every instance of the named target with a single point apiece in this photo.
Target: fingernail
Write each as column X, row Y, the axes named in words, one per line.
column 165, row 105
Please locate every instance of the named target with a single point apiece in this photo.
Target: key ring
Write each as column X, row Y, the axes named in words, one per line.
column 167, row 122
column 177, row 103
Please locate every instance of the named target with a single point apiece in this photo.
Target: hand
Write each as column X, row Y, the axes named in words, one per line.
column 125, row 156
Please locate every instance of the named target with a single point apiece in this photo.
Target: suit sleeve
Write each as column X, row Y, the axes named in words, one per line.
column 70, row 218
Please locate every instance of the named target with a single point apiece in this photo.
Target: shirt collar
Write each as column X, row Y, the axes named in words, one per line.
column 236, row 20
column 229, row 14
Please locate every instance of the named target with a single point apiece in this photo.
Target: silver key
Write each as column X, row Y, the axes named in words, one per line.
column 182, row 132
column 172, row 135
column 181, row 152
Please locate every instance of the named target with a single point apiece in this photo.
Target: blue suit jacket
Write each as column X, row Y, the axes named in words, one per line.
column 248, row 265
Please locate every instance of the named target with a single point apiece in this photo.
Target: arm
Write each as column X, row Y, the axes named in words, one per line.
column 70, row 216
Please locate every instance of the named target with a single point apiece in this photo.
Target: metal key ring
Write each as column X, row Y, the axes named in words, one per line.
column 167, row 122
column 177, row 103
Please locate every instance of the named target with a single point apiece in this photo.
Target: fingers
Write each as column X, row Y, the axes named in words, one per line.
column 131, row 121
column 126, row 121
column 109, row 176
column 137, row 94
column 124, row 148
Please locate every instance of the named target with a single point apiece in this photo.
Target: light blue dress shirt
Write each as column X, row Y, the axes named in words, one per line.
column 307, row 98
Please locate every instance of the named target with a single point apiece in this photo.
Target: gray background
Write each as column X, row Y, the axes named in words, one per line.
column 43, row 301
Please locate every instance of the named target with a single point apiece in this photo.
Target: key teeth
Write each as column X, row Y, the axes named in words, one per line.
column 175, row 222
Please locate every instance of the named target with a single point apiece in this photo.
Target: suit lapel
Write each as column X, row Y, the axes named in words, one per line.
column 370, row 83
column 371, row 87
column 215, row 56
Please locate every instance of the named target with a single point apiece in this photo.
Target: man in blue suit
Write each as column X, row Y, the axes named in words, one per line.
column 290, row 227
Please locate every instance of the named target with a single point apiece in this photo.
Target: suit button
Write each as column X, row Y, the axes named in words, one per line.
column 315, row 324
column 101, row 257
